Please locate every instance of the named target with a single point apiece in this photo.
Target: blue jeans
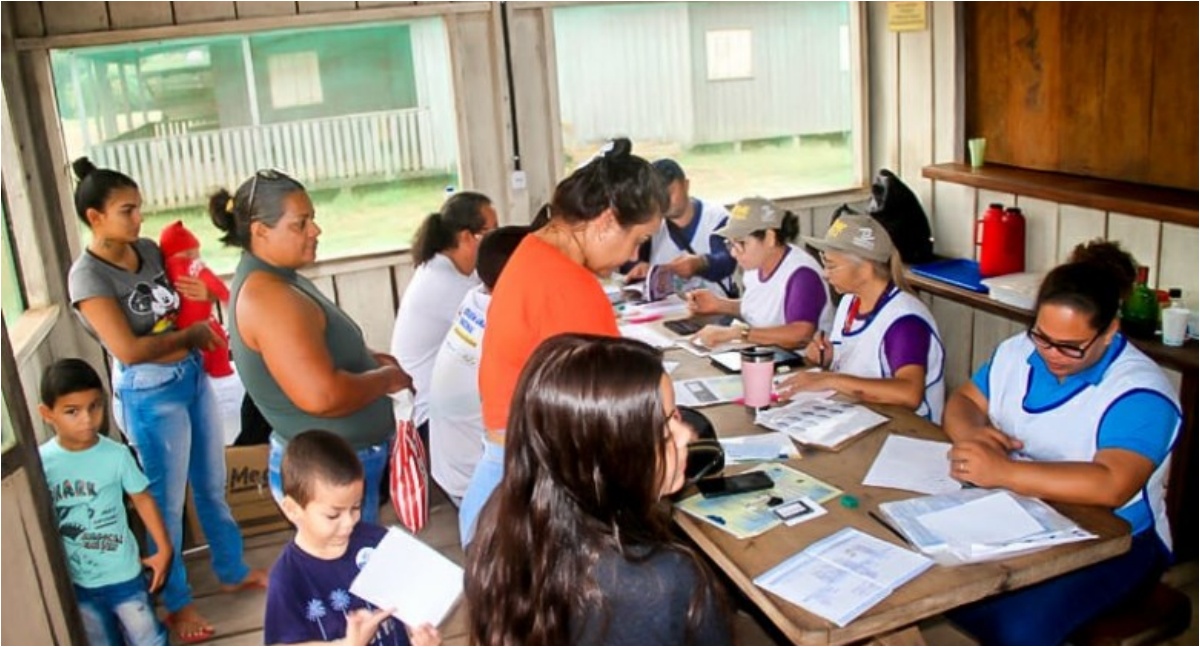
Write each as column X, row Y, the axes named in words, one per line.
column 120, row 614
column 488, row 473
column 169, row 414
column 374, row 459
column 1048, row 613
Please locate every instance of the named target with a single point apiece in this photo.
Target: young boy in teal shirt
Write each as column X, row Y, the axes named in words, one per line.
column 88, row 475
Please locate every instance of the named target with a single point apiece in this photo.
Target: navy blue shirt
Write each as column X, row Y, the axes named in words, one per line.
column 308, row 598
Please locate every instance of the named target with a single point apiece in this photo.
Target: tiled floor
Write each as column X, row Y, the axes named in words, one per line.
column 238, row 617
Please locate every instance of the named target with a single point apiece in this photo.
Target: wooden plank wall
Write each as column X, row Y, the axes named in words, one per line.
column 1105, row 89
column 33, row 614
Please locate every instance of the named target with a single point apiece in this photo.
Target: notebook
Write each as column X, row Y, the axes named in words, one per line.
column 958, row 272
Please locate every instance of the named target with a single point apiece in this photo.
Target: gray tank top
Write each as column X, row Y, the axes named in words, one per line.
column 368, row 426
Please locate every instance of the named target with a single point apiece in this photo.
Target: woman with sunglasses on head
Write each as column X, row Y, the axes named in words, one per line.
column 597, row 218
column 1070, row 411
column 884, row 345
column 161, row 395
column 786, row 299
column 303, row 360
column 575, row 547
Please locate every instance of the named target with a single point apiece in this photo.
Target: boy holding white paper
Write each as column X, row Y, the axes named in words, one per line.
column 308, row 597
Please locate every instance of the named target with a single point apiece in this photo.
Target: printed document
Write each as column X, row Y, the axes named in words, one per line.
column 428, row 590
column 912, row 464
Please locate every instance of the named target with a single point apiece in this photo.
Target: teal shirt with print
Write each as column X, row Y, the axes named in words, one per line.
column 88, row 491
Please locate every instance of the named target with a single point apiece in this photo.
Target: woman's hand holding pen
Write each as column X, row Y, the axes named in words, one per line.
column 701, row 302
column 819, row 351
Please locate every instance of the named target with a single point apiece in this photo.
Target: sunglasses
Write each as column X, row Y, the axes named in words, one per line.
column 1071, row 350
column 269, row 175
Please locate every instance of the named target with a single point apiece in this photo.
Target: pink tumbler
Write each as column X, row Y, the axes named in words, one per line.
column 758, row 371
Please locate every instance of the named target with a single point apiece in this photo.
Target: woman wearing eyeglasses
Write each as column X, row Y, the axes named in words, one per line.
column 883, row 346
column 575, row 547
column 786, row 299
column 162, row 399
column 1070, row 411
column 303, row 360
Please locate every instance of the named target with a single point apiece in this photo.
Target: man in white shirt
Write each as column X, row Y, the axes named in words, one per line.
column 685, row 243
column 444, row 251
column 455, row 413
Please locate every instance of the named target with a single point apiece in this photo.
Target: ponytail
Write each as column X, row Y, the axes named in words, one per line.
column 439, row 231
column 95, row 186
column 432, row 237
column 896, row 269
column 220, row 212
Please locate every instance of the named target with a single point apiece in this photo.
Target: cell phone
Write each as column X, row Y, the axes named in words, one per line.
column 718, row 486
column 731, row 361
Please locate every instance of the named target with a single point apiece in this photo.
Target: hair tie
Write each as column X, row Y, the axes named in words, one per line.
column 229, row 205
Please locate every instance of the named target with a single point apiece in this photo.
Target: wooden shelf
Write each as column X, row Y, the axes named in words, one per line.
column 1155, row 203
column 1182, row 359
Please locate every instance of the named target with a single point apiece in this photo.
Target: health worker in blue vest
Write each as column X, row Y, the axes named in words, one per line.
column 1070, row 411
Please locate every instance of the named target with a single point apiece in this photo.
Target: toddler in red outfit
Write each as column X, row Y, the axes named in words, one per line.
column 181, row 255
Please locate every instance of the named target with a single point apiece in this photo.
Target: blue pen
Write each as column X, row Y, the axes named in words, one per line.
column 715, row 519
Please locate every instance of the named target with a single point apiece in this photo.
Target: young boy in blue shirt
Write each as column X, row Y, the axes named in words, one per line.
column 308, row 595
column 88, row 475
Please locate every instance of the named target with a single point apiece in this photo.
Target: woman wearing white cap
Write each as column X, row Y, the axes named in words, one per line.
column 884, row 345
column 786, row 298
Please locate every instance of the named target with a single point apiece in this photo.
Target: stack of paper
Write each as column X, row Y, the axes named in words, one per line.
column 824, row 423
column 912, row 464
column 975, row 525
column 750, row 514
column 843, row 575
column 759, row 447
column 410, row 577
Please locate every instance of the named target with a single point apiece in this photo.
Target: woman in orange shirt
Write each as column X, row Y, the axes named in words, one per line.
column 599, row 215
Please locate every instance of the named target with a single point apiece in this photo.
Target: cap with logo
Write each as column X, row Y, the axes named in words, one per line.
column 857, row 234
column 750, row 215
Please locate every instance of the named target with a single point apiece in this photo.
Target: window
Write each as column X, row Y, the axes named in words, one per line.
column 295, row 79
column 729, row 54
column 14, row 298
column 362, row 115
column 749, row 97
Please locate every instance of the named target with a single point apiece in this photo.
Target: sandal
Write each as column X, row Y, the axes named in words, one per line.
column 256, row 580
column 189, row 626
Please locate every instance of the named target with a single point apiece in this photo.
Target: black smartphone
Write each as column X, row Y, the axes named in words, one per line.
column 737, row 484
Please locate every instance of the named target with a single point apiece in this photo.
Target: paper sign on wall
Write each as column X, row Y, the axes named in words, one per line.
column 907, row 16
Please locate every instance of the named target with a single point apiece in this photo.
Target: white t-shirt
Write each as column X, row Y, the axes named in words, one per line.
column 426, row 313
column 455, row 410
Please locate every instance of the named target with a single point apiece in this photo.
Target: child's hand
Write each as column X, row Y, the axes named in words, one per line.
column 192, row 288
column 425, row 634
column 158, row 564
column 362, row 624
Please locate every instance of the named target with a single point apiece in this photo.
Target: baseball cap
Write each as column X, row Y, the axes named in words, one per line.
column 750, row 215
column 669, row 170
column 857, row 234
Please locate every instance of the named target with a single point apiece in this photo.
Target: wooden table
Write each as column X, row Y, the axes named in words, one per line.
column 939, row 589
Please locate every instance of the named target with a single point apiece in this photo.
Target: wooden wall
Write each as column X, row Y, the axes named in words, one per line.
column 1104, row 89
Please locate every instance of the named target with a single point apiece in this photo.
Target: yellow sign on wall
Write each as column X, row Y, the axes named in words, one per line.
column 907, row 16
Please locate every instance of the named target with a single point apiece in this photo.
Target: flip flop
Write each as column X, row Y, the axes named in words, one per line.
column 199, row 633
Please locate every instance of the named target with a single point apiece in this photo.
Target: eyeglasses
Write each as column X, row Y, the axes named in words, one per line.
column 270, row 175
column 1073, row 351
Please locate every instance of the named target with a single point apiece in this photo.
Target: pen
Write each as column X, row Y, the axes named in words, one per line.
column 887, row 525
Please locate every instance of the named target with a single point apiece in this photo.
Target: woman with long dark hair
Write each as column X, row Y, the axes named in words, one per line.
column 162, row 398
column 575, row 545
column 1070, row 411
column 599, row 215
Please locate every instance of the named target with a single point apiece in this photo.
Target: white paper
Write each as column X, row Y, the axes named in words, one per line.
column 759, row 447
column 824, row 422
column 703, row 392
column 646, row 333
column 406, row 575
column 993, row 519
column 912, row 464
column 670, row 367
column 843, row 575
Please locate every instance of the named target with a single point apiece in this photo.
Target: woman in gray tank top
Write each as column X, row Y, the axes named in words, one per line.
column 303, row 360
column 162, row 397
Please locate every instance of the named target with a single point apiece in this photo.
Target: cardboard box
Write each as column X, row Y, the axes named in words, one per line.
column 247, row 493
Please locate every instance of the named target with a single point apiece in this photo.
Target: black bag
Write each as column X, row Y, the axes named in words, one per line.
column 705, row 456
column 897, row 208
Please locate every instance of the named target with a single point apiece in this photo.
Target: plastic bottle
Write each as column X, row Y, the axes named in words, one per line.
column 1014, row 240
column 989, row 236
column 1174, row 320
column 1139, row 314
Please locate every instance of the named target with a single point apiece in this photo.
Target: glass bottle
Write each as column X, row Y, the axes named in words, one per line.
column 1139, row 314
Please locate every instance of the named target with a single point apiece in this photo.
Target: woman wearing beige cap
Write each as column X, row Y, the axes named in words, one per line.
column 786, row 298
column 884, row 345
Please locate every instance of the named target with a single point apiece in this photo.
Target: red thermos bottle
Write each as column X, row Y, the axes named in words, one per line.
column 1000, row 236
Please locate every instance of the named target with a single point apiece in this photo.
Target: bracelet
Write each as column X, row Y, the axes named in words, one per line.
column 744, row 331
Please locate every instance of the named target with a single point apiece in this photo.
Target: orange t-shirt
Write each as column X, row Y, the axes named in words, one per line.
column 541, row 293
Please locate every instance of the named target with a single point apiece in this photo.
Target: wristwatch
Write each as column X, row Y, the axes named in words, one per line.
column 743, row 331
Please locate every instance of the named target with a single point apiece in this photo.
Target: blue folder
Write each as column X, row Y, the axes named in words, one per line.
column 958, row 272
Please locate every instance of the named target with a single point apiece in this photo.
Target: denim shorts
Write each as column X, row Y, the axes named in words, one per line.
column 120, row 614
